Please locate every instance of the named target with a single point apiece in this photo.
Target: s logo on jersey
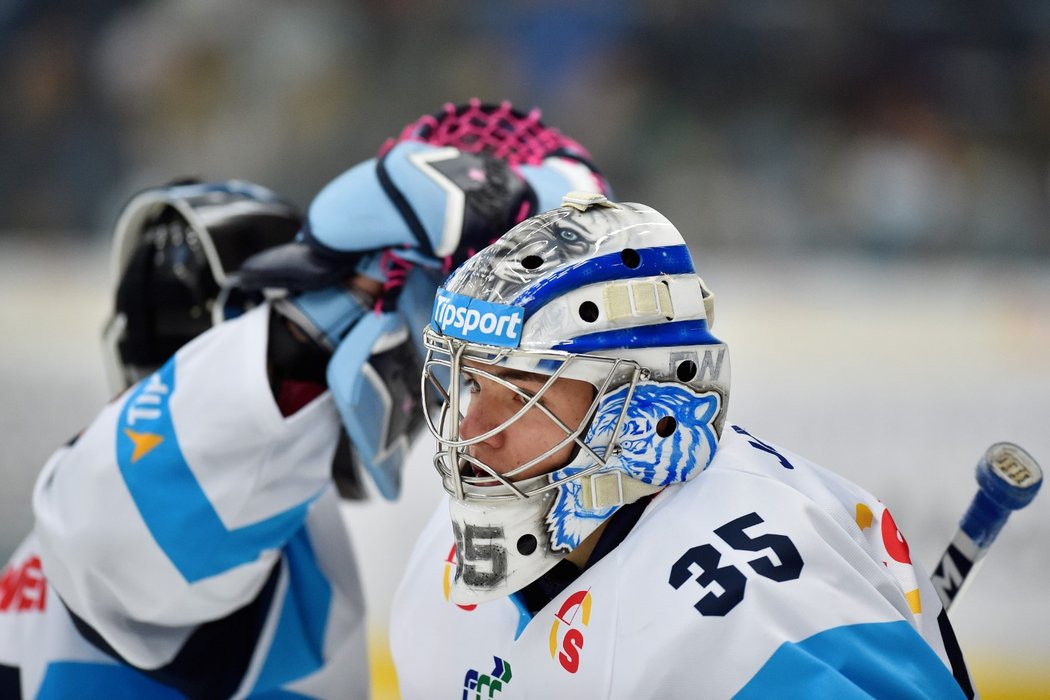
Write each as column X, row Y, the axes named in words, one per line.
column 450, row 567
column 565, row 648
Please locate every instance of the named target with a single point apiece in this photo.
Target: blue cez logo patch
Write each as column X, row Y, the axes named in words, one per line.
column 477, row 321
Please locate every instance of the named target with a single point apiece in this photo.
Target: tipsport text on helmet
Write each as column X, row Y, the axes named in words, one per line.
column 477, row 321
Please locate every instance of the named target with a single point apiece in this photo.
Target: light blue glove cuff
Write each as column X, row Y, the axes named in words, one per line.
column 374, row 379
column 327, row 315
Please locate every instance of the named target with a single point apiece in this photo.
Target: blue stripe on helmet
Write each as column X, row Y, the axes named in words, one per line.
column 693, row 332
column 661, row 260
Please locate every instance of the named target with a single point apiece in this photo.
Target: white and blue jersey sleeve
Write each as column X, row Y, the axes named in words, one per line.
column 192, row 534
column 765, row 576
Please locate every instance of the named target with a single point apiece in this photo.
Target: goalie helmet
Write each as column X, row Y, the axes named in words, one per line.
column 597, row 292
column 447, row 186
column 173, row 249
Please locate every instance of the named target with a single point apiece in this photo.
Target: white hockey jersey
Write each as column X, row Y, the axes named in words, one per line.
column 765, row 576
column 189, row 544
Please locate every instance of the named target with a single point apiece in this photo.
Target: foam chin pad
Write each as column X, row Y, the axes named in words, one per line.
column 296, row 266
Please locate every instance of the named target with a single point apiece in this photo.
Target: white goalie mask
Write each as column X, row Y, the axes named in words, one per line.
column 595, row 292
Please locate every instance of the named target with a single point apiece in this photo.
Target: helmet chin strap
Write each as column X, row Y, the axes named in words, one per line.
column 605, row 489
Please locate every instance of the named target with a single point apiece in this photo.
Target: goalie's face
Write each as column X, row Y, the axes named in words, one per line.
column 496, row 395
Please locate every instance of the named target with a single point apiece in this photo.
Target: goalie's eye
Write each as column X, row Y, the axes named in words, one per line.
column 523, row 397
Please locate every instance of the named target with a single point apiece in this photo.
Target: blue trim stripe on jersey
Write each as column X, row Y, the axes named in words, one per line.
column 524, row 615
column 661, row 260
column 298, row 644
column 668, row 334
column 879, row 660
column 91, row 681
column 172, row 503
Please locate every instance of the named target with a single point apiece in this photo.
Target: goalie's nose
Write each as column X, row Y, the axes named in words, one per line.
column 481, row 417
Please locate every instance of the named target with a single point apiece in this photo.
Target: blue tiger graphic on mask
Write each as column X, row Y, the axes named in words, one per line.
column 646, row 456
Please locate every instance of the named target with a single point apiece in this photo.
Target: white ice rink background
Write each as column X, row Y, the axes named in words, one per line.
column 896, row 373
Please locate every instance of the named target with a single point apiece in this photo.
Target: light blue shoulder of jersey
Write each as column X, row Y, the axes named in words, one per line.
column 171, row 501
column 879, row 660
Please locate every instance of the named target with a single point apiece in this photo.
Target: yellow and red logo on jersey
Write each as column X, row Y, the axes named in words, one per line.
column 894, row 547
column 575, row 613
column 450, row 566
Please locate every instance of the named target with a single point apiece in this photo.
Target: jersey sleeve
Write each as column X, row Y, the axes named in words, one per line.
column 171, row 509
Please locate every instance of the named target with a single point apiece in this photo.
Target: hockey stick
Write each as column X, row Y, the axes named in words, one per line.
column 1007, row 480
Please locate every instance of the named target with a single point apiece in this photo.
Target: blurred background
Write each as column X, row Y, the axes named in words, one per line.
column 865, row 186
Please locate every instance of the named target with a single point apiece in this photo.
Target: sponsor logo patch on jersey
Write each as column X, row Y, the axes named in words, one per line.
column 23, row 586
column 484, row 686
column 574, row 614
column 880, row 528
column 477, row 321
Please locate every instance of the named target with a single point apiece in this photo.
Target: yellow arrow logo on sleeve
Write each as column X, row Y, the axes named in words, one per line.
column 144, row 443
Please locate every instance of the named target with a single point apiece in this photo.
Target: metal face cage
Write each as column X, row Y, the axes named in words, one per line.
column 450, row 363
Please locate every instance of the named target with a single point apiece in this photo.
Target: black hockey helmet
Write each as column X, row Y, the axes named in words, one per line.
column 173, row 250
